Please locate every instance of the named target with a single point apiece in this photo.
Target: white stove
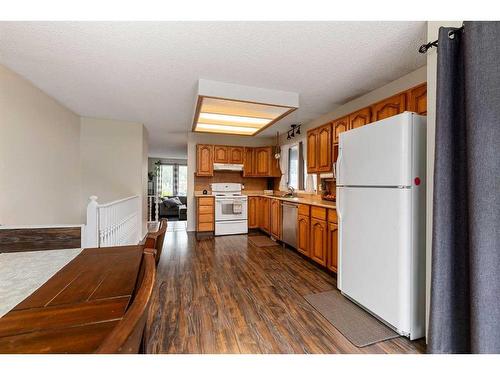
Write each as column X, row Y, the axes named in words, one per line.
column 230, row 209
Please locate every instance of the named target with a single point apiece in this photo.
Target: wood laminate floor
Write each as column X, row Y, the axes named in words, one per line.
column 223, row 295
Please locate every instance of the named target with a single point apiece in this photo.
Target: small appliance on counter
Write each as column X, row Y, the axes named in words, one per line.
column 327, row 189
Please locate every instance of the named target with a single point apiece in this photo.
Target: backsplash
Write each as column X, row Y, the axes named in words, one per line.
column 251, row 183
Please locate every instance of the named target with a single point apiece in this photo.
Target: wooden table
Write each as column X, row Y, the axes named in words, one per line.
column 75, row 309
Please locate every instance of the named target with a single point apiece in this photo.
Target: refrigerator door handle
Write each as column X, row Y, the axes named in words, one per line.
column 336, row 169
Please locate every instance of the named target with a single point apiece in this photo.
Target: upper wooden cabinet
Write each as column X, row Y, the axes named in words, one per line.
column 257, row 161
column 339, row 126
column 253, row 221
column 360, row 118
column 319, row 149
column 236, row 155
column 263, row 161
column 249, row 162
column 228, row 154
column 417, row 99
column 204, row 160
column 324, row 148
column 276, row 218
column 221, row 154
column 312, row 152
column 389, row 107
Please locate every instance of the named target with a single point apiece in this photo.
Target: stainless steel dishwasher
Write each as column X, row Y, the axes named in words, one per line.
column 289, row 220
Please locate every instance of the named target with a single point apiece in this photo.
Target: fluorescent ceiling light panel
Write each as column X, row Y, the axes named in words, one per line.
column 236, row 109
column 236, row 119
column 224, row 128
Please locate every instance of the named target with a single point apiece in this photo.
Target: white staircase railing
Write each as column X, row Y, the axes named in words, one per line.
column 153, row 206
column 116, row 223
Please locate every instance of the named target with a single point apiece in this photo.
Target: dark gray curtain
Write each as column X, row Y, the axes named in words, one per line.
column 465, row 284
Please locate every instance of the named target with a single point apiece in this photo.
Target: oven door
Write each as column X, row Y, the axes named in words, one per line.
column 230, row 208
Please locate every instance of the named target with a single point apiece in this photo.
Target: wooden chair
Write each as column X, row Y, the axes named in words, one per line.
column 127, row 336
column 154, row 240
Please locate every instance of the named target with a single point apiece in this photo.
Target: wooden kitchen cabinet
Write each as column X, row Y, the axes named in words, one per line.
column 324, row 148
column 318, row 241
column 221, row 154
column 312, row 152
column 417, row 99
column 339, row 126
column 253, row 221
column 303, row 234
column 205, row 214
column 276, row 218
column 332, row 255
column 359, row 118
column 249, row 162
column 204, row 160
column 236, row 155
column 263, row 161
column 264, row 214
column 389, row 107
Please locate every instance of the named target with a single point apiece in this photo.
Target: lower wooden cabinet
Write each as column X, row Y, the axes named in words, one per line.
column 318, row 242
column 264, row 214
column 253, row 221
column 332, row 253
column 205, row 215
column 276, row 218
column 303, row 234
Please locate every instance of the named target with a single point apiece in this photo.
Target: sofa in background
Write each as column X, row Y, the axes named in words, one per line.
column 170, row 207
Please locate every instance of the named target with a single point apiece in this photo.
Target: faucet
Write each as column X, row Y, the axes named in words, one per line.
column 291, row 191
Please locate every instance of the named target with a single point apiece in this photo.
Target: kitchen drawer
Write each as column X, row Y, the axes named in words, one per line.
column 206, row 218
column 205, row 227
column 206, row 209
column 318, row 213
column 332, row 216
column 304, row 209
column 208, row 201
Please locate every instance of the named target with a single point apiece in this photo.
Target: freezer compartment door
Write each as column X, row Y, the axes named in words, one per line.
column 378, row 154
column 375, row 251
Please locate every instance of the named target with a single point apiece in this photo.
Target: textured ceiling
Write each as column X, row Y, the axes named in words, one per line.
column 148, row 71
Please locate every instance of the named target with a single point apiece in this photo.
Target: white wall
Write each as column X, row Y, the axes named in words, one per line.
column 114, row 161
column 39, row 156
column 432, row 34
column 217, row 139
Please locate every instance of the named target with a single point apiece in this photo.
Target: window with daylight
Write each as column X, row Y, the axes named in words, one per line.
column 173, row 180
column 295, row 167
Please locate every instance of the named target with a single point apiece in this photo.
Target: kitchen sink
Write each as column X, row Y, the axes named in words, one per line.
column 289, row 196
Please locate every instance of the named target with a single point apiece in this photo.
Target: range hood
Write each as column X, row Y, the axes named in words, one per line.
column 227, row 167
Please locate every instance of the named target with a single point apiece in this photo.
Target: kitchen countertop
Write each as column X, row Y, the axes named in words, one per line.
column 301, row 200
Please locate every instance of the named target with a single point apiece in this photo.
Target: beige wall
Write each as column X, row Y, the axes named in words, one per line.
column 401, row 84
column 39, row 156
column 432, row 34
column 193, row 140
column 114, row 161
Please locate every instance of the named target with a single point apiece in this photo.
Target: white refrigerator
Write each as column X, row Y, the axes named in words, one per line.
column 381, row 209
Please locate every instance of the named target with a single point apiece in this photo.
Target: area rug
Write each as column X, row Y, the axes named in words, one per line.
column 358, row 326
column 261, row 241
